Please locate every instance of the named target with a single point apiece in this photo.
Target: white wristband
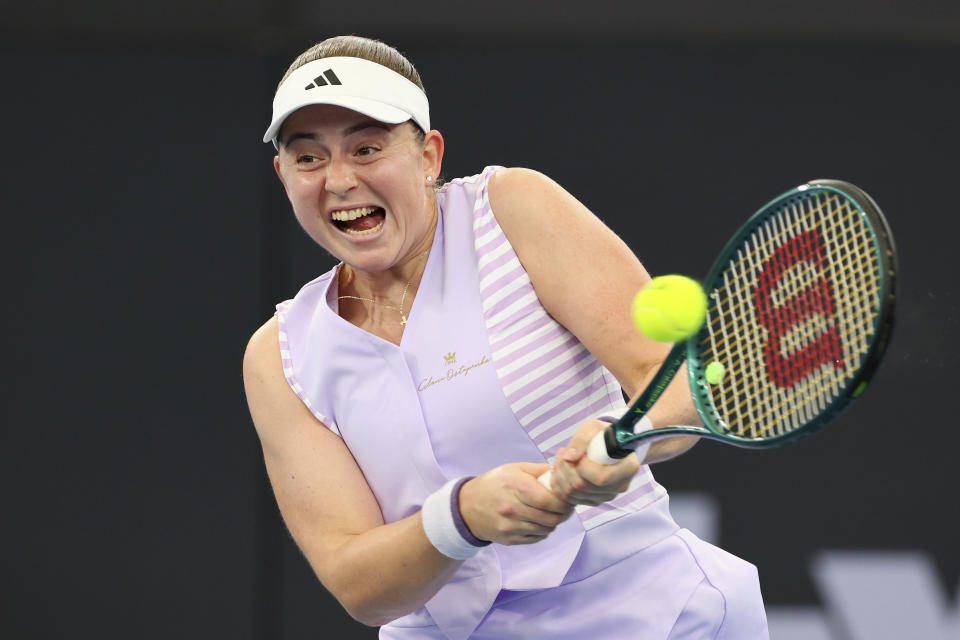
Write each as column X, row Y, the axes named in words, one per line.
column 643, row 424
column 440, row 523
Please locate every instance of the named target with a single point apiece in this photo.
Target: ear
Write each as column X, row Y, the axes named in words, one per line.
column 433, row 153
column 276, row 168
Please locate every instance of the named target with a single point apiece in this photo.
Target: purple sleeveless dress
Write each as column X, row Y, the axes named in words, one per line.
column 484, row 376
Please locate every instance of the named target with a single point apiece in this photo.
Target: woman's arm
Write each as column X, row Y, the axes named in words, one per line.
column 377, row 571
column 586, row 278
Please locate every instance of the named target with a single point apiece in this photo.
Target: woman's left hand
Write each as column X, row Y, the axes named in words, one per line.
column 578, row 480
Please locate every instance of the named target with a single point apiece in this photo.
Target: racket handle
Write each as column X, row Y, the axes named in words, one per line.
column 598, row 449
column 545, row 479
column 597, row 452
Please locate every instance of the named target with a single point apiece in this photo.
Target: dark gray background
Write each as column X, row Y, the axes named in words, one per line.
column 146, row 238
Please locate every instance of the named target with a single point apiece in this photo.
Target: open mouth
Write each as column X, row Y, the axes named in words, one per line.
column 361, row 221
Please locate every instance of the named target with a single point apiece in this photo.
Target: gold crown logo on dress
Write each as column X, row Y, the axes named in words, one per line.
column 450, row 358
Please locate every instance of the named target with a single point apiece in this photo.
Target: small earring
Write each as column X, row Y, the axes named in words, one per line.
column 429, row 179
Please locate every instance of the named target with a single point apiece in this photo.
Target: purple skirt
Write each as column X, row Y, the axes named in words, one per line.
column 680, row 588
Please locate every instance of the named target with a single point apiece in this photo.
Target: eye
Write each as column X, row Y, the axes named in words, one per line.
column 308, row 161
column 366, row 150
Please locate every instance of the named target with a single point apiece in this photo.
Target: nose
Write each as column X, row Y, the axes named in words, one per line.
column 340, row 178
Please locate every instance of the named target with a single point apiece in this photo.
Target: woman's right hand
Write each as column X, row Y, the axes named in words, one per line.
column 508, row 505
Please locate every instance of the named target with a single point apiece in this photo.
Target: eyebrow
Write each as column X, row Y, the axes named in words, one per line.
column 366, row 124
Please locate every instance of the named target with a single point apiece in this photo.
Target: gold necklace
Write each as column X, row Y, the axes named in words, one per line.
column 403, row 318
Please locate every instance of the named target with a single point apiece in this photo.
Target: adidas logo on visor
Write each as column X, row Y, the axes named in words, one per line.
column 328, row 77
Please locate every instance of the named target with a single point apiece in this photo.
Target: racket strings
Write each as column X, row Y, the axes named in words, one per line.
column 865, row 234
column 805, row 330
column 810, row 404
column 776, row 240
column 792, row 315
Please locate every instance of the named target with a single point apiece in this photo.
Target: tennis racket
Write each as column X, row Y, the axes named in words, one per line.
column 799, row 313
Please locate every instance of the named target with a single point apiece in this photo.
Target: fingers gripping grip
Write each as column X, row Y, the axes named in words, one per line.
column 603, row 443
column 596, row 451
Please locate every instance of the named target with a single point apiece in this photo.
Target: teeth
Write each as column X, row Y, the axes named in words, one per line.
column 345, row 215
column 365, row 232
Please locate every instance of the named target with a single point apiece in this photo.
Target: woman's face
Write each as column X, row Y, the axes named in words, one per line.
column 358, row 186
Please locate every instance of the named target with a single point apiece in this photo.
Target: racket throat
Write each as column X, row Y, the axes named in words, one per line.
column 616, row 448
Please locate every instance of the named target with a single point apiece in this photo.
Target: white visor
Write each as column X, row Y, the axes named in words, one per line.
column 357, row 84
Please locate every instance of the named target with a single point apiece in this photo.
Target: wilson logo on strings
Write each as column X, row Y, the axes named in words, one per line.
column 782, row 315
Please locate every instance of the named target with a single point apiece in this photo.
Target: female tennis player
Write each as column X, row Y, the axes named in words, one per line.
column 473, row 336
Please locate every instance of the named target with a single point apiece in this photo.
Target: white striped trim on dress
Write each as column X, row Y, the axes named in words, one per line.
column 288, row 372
column 550, row 380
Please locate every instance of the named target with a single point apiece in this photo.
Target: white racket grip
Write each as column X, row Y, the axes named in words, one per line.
column 597, row 450
column 545, row 479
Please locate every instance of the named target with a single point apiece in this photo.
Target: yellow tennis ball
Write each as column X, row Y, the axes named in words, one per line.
column 670, row 308
column 714, row 372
